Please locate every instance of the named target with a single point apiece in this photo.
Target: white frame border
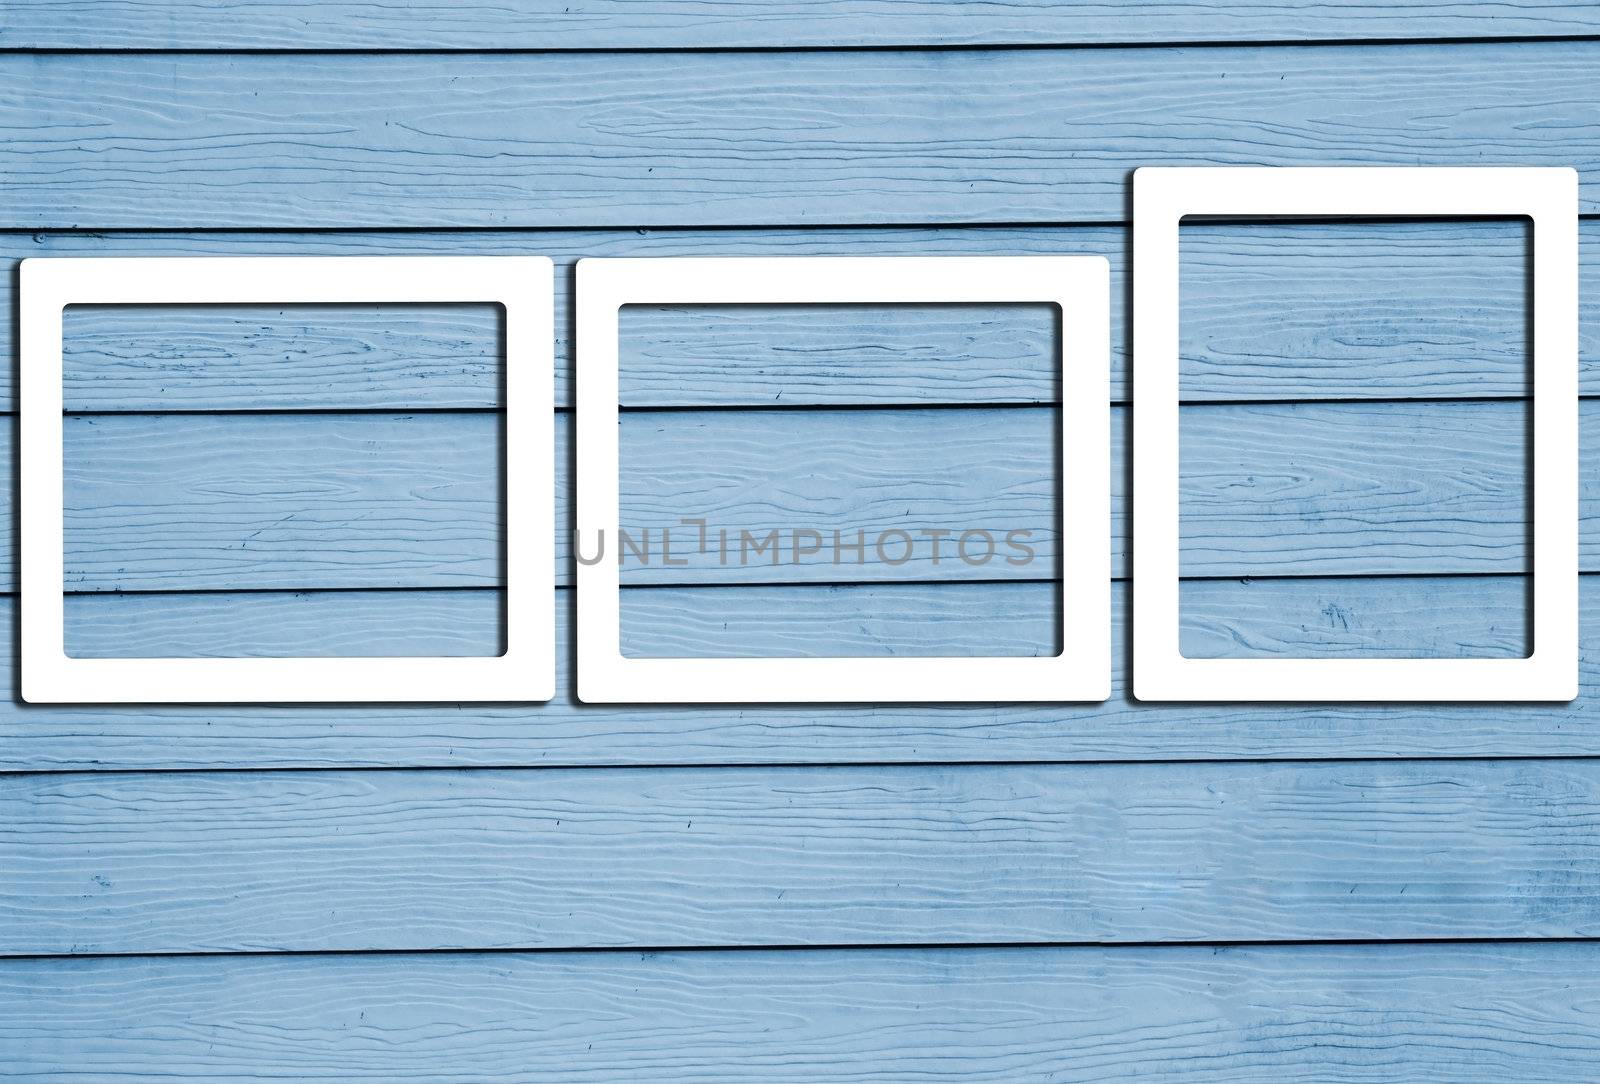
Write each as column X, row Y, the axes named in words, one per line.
column 1162, row 196
column 522, row 285
column 1078, row 285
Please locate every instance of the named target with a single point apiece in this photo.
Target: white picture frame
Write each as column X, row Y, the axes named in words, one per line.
column 1162, row 197
column 522, row 285
column 1078, row 285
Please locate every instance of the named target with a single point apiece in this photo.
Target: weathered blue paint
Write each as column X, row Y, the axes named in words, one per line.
column 352, row 507
column 380, row 500
column 1437, row 615
column 739, row 139
column 1481, row 1014
column 1418, row 310
column 670, row 24
column 874, row 855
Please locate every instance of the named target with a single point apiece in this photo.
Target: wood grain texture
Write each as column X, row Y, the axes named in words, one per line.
column 771, row 830
column 188, row 357
column 802, row 856
column 564, row 858
column 1480, row 615
column 786, row 138
column 1270, row 311
column 1444, row 616
column 1477, row 1014
column 208, row 499
column 294, row 501
column 744, row 24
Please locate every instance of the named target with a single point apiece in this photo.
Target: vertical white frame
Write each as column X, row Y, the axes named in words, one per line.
column 521, row 285
column 1078, row 285
column 1549, row 198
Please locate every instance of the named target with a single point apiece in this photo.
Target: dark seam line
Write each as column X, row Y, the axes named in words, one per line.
column 1042, row 404
column 854, row 947
column 157, row 592
column 722, row 227
column 692, row 585
column 806, row 227
column 788, row 766
column 1002, row 45
column 285, row 411
column 191, row 592
column 703, row 585
column 1246, row 577
column 791, row 408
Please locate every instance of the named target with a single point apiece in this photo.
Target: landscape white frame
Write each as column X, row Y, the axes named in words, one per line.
column 1162, row 196
column 1078, row 285
column 522, row 285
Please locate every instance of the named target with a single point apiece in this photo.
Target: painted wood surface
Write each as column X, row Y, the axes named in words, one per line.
column 744, row 24
column 564, row 858
column 1324, row 616
column 1249, row 1015
column 560, row 825
column 1271, row 311
column 736, row 138
column 376, row 500
column 1430, row 617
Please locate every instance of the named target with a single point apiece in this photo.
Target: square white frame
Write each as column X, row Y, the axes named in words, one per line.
column 521, row 285
column 1549, row 198
column 1078, row 285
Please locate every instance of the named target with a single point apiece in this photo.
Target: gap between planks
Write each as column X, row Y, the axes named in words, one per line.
column 906, row 46
column 861, row 947
column 743, row 227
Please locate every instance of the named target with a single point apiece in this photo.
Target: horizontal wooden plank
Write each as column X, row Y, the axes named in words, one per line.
column 568, row 858
column 309, row 500
column 178, row 357
column 1477, row 1014
column 1271, row 311
column 748, row 24
column 717, row 138
column 1422, row 616
column 298, row 501
column 303, row 501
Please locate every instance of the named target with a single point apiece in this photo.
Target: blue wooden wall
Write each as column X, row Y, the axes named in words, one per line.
column 978, row 893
